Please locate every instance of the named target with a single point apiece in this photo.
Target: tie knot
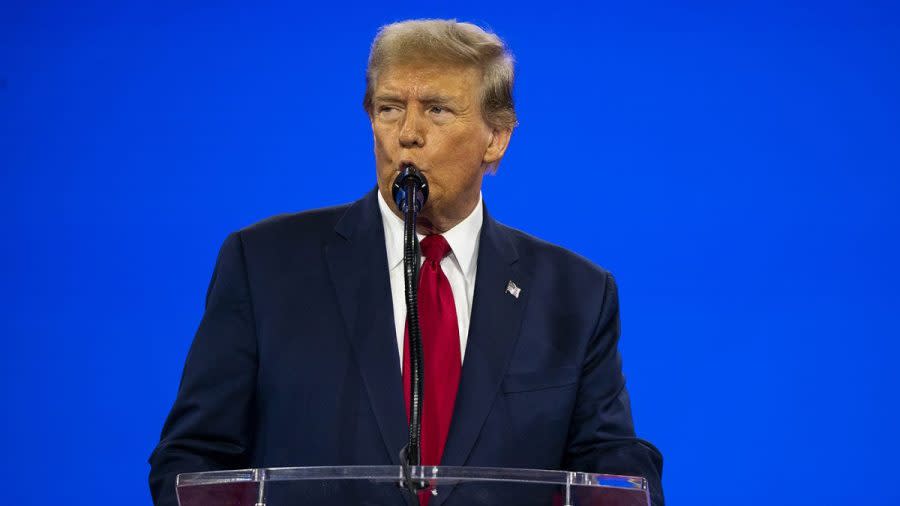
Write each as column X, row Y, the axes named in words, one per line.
column 434, row 247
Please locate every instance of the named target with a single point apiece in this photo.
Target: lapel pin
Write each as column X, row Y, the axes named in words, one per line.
column 513, row 289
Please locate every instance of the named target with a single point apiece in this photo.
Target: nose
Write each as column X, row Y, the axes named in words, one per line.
column 411, row 131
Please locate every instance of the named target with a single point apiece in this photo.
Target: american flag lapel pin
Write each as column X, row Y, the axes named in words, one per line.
column 513, row 289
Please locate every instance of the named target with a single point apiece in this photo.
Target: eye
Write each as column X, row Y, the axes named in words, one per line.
column 388, row 112
column 440, row 114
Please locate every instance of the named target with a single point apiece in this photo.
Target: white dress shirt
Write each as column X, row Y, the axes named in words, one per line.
column 459, row 266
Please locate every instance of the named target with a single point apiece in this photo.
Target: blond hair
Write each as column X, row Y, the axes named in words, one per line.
column 448, row 41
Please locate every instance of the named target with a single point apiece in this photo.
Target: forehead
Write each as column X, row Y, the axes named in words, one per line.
column 416, row 78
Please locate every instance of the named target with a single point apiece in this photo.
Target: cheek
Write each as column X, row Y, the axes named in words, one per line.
column 383, row 153
column 467, row 153
column 457, row 149
column 460, row 160
column 378, row 136
column 383, row 136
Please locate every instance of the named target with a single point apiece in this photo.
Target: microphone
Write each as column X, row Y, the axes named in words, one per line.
column 410, row 191
column 410, row 180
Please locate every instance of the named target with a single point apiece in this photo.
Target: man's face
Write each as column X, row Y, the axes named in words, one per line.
column 429, row 115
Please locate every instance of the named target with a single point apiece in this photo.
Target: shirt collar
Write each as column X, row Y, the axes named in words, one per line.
column 463, row 238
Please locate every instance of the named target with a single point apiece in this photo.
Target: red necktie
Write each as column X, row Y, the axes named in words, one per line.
column 440, row 350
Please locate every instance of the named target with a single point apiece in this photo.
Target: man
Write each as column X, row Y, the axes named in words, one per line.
column 300, row 357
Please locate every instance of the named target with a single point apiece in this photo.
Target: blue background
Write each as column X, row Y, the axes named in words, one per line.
column 737, row 168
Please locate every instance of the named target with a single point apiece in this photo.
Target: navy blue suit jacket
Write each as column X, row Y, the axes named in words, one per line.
column 295, row 361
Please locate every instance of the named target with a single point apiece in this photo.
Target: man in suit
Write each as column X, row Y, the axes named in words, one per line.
column 300, row 357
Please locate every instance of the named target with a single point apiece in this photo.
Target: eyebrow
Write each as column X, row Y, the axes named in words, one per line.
column 387, row 98
column 428, row 99
column 440, row 99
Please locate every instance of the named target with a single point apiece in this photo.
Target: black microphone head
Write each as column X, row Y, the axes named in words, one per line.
column 410, row 179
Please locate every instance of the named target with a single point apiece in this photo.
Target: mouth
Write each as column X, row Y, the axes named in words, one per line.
column 404, row 163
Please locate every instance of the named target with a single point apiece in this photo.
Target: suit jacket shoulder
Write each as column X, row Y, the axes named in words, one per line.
column 541, row 250
column 288, row 244
column 293, row 228
column 568, row 277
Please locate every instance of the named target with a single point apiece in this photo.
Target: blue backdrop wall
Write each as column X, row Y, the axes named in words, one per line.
column 745, row 158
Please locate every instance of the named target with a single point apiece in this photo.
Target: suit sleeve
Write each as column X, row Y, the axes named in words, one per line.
column 602, row 438
column 210, row 426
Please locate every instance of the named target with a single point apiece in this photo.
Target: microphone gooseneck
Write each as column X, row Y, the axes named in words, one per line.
column 410, row 191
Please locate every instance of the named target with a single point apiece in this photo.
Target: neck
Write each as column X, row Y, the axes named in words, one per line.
column 425, row 226
column 434, row 220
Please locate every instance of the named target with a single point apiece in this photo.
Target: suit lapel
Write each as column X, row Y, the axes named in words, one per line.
column 357, row 263
column 496, row 320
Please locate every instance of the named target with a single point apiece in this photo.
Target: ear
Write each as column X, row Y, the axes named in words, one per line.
column 499, row 140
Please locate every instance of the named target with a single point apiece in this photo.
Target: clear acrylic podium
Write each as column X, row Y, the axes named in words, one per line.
column 380, row 486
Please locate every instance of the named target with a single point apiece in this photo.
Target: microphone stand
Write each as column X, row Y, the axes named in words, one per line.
column 410, row 191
